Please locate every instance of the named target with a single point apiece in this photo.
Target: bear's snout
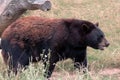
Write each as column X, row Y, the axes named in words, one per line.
column 104, row 43
column 107, row 44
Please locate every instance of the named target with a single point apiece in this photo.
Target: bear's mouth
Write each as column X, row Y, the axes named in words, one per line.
column 101, row 47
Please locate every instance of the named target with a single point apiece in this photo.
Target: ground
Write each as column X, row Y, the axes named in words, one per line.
column 74, row 76
column 65, row 75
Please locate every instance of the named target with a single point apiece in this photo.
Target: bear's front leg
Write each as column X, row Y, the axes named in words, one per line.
column 80, row 59
column 54, row 58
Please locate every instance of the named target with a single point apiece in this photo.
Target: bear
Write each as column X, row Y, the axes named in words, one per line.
column 26, row 38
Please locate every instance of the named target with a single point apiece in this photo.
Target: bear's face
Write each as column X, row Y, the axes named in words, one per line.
column 84, row 33
column 96, row 39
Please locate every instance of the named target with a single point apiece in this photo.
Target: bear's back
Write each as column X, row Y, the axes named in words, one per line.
column 32, row 28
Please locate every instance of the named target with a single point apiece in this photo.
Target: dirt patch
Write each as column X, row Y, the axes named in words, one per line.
column 77, row 76
column 111, row 71
column 65, row 76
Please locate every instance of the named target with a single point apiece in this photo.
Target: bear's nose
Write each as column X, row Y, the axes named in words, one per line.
column 107, row 44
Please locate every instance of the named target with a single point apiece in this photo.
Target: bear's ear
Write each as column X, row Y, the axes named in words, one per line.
column 97, row 24
column 85, row 28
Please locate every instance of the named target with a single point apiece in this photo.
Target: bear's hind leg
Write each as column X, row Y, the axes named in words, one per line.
column 54, row 58
column 5, row 56
column 18, row 59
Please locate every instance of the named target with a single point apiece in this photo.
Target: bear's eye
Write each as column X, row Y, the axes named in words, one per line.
column 100, row 37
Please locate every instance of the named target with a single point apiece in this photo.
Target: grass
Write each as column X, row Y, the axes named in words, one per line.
column 107, row 13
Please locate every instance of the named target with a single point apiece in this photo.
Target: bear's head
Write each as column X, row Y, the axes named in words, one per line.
column 96, row 38
column 84, row 33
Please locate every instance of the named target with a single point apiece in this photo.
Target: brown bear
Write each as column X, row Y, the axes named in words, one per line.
column 26, row 38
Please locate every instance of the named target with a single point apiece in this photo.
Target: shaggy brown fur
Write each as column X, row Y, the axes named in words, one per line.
column 26, row 38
